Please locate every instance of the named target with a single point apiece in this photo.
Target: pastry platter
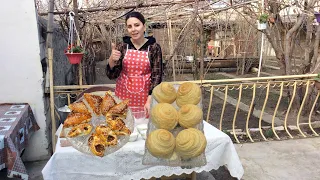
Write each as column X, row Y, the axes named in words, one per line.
column 175, row 135
column 105, row 127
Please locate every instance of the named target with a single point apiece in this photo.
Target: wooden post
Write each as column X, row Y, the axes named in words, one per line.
column 80, row 69
column 171, row 47
column 53, row 119
column 49, row 74
column 202, row 43
column 76, row 21
column 50, row 24
column 49, row 40
column 193, row 175
column 234, row 47
column 76, row 14
column 262, row 44
column 80, row 73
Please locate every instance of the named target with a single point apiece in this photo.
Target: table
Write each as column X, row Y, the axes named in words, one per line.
column 126, row 163
column 17, row 122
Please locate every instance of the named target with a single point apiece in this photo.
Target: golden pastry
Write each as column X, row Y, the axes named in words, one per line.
column 188, row 93
column 109, row 136
column 80, row 130
column 107, row 103
column 164, row 116
column 119, row 127
column 90, row 139
column 111, row 139
column 110, row 117
column 189, row 115
column 190, row 143
column 103, row 129
column 97, row 144
column 161, row 143
column 125, row 131
column 117, row 124
column 76, row 118
column 79, row 107
column 119, row 108
column 165, row 93
column 94, row 102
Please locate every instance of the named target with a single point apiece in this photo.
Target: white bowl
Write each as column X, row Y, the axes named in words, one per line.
column 143, row 134
column 133, row 137
column 142, row 127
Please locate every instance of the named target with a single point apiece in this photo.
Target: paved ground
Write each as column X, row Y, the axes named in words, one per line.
column 34, row 169
column 290, row 159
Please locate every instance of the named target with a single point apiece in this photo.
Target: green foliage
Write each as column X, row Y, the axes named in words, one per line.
column 74, row 49
column 77, row 49
column 317, row 78
column 269, row 133
column 263, row 18
column 227, row 133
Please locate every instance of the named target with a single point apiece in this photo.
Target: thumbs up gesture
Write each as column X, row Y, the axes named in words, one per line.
column 115, row 54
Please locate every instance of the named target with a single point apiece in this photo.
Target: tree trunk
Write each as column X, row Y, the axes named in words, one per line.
column 307, row 53
column 288, row 41
column 76, row 21
column 316, row 59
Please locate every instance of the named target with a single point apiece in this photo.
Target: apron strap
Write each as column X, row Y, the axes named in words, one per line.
column 127, row 49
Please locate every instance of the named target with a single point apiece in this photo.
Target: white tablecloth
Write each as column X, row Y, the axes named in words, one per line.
column 68, row 163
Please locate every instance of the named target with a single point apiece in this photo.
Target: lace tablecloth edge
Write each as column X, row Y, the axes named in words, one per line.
column 237, row 174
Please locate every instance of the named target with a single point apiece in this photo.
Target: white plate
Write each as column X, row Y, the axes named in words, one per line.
column 81, row 142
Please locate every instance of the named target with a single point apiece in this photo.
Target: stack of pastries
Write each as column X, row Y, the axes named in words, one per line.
column 104, row 135
column 189, row 142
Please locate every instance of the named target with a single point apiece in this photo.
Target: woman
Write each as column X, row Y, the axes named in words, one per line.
column 137, row 63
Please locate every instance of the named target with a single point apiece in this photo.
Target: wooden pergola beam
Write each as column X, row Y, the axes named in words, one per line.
column 123, row 7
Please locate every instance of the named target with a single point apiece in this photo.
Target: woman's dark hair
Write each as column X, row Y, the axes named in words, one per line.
column 137, row 15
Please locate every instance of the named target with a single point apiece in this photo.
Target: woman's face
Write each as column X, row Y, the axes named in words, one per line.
column 135, row 28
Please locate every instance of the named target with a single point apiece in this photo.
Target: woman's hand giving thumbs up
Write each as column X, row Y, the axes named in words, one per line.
column 114, row 57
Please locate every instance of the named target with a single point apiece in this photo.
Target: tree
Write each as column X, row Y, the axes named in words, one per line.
column 286, row 36
column 294, row 36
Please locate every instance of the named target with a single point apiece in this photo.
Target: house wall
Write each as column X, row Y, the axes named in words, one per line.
column 20, row 71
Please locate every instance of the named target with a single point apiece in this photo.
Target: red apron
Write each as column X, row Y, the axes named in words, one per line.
column 134, row 80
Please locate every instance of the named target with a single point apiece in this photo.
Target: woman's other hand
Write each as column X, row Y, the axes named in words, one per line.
column 115, row 56
column 147, row 106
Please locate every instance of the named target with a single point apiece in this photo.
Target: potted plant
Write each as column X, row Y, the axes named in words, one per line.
column 74, row 53
column 263, row 19
column 317, row 81
column 317, row 15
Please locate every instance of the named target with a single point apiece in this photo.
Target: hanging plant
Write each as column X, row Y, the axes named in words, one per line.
column 73, row 52
column 262, row 21
column 263, row 18
column 74, row 49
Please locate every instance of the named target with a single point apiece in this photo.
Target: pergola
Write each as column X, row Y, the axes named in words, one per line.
column 104, row 20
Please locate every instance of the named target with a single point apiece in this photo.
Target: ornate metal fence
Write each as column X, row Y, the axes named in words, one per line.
column 252, row 109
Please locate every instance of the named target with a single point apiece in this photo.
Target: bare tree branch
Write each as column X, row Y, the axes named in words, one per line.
column 288, row 42
column 122, row 7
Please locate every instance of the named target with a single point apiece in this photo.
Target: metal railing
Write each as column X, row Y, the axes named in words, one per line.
column 272, row 114
column 275, row 108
